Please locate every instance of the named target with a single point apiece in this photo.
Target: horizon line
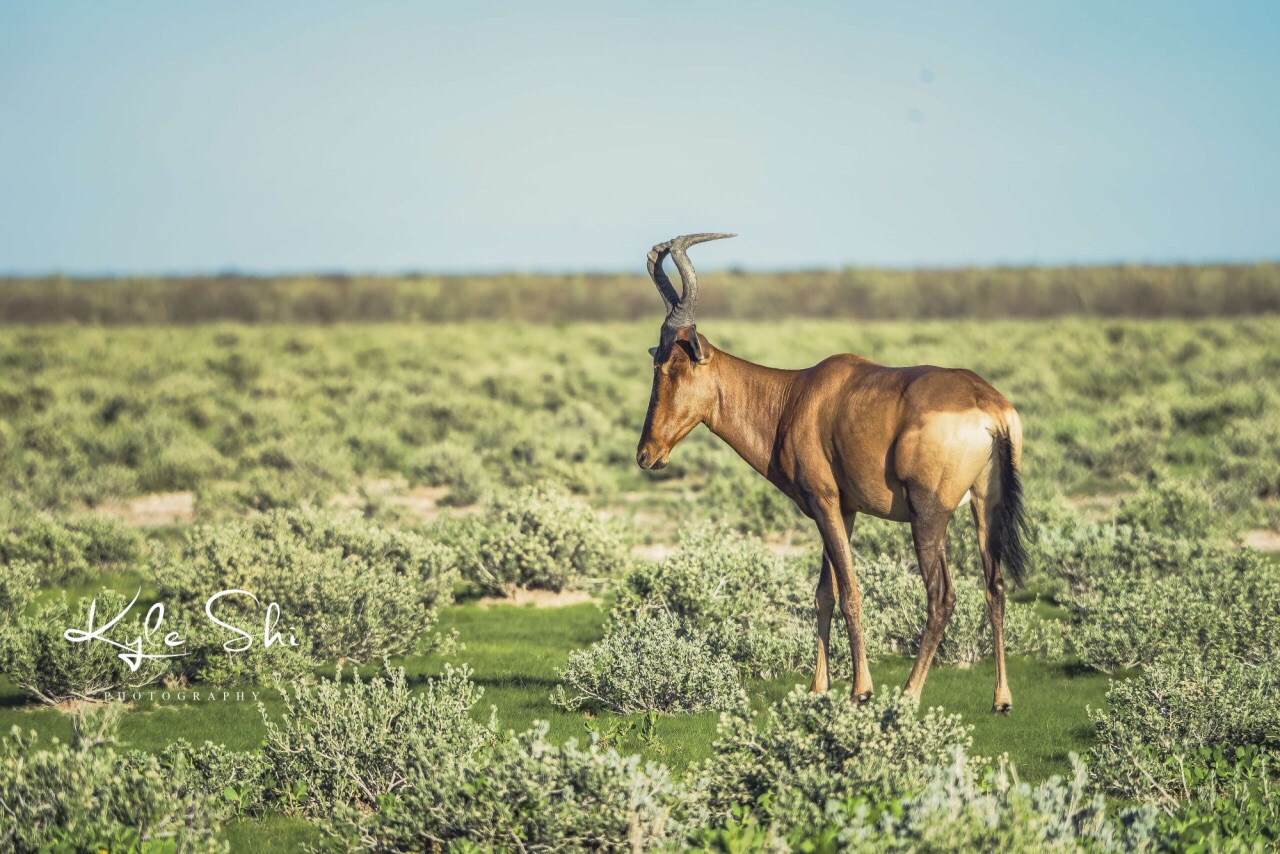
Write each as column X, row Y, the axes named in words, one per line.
column 234, row 272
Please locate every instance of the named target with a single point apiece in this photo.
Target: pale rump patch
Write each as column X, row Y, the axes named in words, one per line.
column 540, row 598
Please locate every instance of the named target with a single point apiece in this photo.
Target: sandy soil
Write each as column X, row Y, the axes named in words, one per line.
column 161, row 508
column 1262, row 539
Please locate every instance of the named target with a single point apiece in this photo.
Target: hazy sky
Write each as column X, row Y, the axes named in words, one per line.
column 169, row 136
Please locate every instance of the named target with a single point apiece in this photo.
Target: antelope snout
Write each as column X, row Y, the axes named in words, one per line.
column 651, row 460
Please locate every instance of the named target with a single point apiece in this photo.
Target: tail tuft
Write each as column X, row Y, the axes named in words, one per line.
column 1009, row 527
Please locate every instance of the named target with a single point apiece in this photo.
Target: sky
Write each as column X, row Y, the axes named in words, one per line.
column 173, row 137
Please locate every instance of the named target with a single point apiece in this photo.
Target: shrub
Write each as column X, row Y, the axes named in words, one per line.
column 208, row 661
column 351, row 589
column 751, row 605
column 649, row 665
column 811, row 748
column 1152, row 736
column 969, row 805
column 83, row 796
column 1234, row 802
column 1186, row 510
column 454, row 465
column 238, row 782
column 1220, row 603
column 36, row 656
column 280, row 473
column 353, row 742
column 524, row 793
column 742, row 499
column 535, row 538
column 17, row 589
column 67, row 551
column 1072, row 557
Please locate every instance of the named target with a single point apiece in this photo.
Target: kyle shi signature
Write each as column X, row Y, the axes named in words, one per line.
column 133, row 654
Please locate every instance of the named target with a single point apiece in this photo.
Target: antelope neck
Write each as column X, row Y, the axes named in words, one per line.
column 749, row 403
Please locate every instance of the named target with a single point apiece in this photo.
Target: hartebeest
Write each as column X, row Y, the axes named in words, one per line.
column 844, row 437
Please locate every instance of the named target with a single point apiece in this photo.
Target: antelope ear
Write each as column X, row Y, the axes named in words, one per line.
column 695, row 346
column 653, row 352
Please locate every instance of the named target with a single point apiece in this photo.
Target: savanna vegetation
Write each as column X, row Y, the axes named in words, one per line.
column 1120, row 290
column 400, row 489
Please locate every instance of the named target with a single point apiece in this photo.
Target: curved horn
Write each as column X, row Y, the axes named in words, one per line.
column 680, row 313
column 657, row 255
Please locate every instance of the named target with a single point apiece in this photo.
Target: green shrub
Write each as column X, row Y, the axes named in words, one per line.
column 524, row 793
column 1221, row 603
column 67, row 551
column 742, row 499
column 348, row 588
column 535, row 538
column 973, row 806
column 649, row 665
column 965, row 805
column 84, row 796
column 1184, row 510
column 809, row 749
column 1152, row 736
column 208, row 661
column 281, row 473
column 873, row 537
column 751, row 605
column 454, row 465
column 353, row 742
column 1233, row 804
column 239, row 782
column 1075, row 556
column 37, row 657
column 17, row 589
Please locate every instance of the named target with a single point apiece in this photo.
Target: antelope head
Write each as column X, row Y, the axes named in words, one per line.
column 683, row 388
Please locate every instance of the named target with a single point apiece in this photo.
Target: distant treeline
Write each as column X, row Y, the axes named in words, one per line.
column 867, row 294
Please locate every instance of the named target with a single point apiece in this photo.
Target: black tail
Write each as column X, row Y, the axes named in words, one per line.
column 1009, row 525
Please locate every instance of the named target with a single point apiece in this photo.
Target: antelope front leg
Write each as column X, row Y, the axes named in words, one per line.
column 824, row 603
column 835, row 540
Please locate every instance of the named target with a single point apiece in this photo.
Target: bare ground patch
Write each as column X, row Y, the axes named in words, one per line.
column 1262, row 539
column 161, row 508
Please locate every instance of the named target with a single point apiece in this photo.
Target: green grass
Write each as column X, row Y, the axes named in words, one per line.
column 515, row 652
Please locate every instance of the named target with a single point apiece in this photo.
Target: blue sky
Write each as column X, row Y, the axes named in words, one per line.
column 289, row 136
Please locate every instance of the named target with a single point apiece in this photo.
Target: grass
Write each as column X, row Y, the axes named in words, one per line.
column 515, row 653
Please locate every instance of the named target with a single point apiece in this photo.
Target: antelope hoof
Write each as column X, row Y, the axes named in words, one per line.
column 863, row 698
column 1002, row 708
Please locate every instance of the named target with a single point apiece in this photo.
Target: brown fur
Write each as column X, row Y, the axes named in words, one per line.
column 848, row 436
